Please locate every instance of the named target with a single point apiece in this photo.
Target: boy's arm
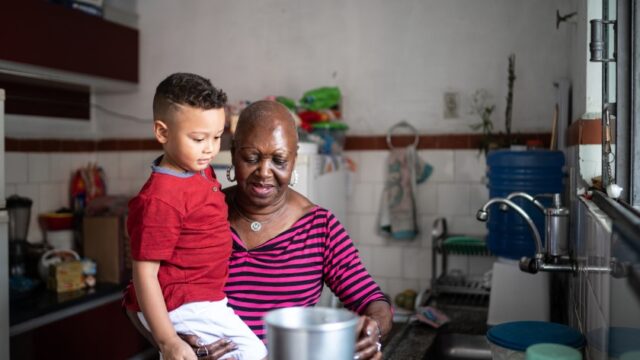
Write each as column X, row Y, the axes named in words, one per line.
column 151, row 301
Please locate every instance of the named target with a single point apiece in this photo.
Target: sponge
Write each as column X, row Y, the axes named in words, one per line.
column 431, row 316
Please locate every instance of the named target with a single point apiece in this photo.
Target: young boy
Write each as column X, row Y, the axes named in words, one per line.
column 180, row 237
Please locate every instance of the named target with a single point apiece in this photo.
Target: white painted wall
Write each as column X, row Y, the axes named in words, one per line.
column 393, row 60
column 586, row 76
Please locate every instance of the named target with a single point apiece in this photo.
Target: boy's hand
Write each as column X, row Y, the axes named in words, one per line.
column 177, row 349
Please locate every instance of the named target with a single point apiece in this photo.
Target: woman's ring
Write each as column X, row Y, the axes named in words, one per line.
column 202, row 351
column 379, row 345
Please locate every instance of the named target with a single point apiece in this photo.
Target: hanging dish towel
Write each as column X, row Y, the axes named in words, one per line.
column 405, row 170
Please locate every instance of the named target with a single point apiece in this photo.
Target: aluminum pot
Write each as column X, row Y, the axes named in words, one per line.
column 311, row 333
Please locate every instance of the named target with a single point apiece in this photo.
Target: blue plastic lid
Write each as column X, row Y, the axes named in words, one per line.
column 519, row 335
column 529, row 158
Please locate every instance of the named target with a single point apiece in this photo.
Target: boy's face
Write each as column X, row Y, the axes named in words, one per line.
column 191, row 139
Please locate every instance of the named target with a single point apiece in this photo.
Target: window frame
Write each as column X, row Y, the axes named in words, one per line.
column 633, row 81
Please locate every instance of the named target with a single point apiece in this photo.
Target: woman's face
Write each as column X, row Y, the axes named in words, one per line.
column 264, row 157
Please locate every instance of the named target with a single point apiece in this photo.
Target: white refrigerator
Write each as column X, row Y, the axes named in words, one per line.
column 4, row 248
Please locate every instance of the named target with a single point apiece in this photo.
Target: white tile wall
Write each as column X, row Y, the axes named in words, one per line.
column 442, row 162
column 363, row 199
column 453, row 199
column 60, row 167
column 414, row 265
column 387, row 261
column 45, row 178
column 454, row 190
column 470, row 166
column 589, row 293
column 38, row 167
column 16, row 168
column 590, row 158
column 427, row 198
column 371, row 166
column 110, row 163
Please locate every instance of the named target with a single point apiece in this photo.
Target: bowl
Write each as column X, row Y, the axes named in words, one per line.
column 56, row 221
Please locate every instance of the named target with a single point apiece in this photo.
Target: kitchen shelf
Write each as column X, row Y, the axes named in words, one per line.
column 444, row 282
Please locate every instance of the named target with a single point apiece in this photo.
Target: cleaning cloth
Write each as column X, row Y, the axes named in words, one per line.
column 431, row 316
column 405, row 170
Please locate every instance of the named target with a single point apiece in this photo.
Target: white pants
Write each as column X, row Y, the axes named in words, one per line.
column 212, row 321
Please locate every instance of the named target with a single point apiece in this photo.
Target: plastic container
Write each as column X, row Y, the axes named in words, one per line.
column 333, row 134
column 552, row 352
column 321, row 98
column 534, row 172
column 511, row 340
column 60, row 239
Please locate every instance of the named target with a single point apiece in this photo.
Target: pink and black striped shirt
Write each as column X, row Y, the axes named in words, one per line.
column 290, row 269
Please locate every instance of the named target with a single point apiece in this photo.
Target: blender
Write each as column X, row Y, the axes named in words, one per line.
column 19, row 209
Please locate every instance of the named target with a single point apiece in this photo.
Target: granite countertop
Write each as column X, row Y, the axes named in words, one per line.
column 413, row 339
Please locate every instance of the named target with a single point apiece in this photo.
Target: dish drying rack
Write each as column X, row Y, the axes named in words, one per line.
column 455, row 288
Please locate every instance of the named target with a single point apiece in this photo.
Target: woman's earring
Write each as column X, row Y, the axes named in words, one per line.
column 229, row 174
column 294, row 178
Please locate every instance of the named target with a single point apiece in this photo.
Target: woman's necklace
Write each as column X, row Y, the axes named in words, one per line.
column 255, row 225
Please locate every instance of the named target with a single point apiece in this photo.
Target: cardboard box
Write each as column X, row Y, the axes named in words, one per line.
column 105, row 241
column 66, row 276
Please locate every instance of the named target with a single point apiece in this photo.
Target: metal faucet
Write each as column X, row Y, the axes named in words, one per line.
column 483, row 215
column 556, row 256
column 556, row 221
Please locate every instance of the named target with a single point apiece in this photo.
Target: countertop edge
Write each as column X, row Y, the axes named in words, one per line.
column 62, row 313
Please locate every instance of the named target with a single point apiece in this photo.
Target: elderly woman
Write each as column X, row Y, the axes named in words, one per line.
column 284, row 246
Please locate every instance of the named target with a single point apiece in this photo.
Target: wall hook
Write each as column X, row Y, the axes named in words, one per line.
column 563, row 18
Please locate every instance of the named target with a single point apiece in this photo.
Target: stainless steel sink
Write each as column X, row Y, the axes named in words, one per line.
column 452, row 346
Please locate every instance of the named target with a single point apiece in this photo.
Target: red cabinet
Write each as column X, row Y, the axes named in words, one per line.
column 38, row 33
column 100, row 333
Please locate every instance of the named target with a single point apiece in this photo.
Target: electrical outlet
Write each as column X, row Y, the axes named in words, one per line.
column 451, row 105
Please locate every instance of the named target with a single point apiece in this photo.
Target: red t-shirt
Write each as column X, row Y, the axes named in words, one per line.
column 181, row 221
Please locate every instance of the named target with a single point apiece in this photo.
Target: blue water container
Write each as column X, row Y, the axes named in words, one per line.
column 534, row 172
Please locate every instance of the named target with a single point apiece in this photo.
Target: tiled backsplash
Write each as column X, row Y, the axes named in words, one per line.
column 589, row 291
column 45, row 178
column 592, row 308
column 455, row 190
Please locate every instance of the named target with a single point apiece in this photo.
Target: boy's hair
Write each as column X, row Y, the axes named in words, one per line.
column 185, row 89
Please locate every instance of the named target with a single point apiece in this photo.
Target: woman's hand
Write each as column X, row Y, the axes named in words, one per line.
column 213, row 351
column 176, row 349
column 368, row 344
